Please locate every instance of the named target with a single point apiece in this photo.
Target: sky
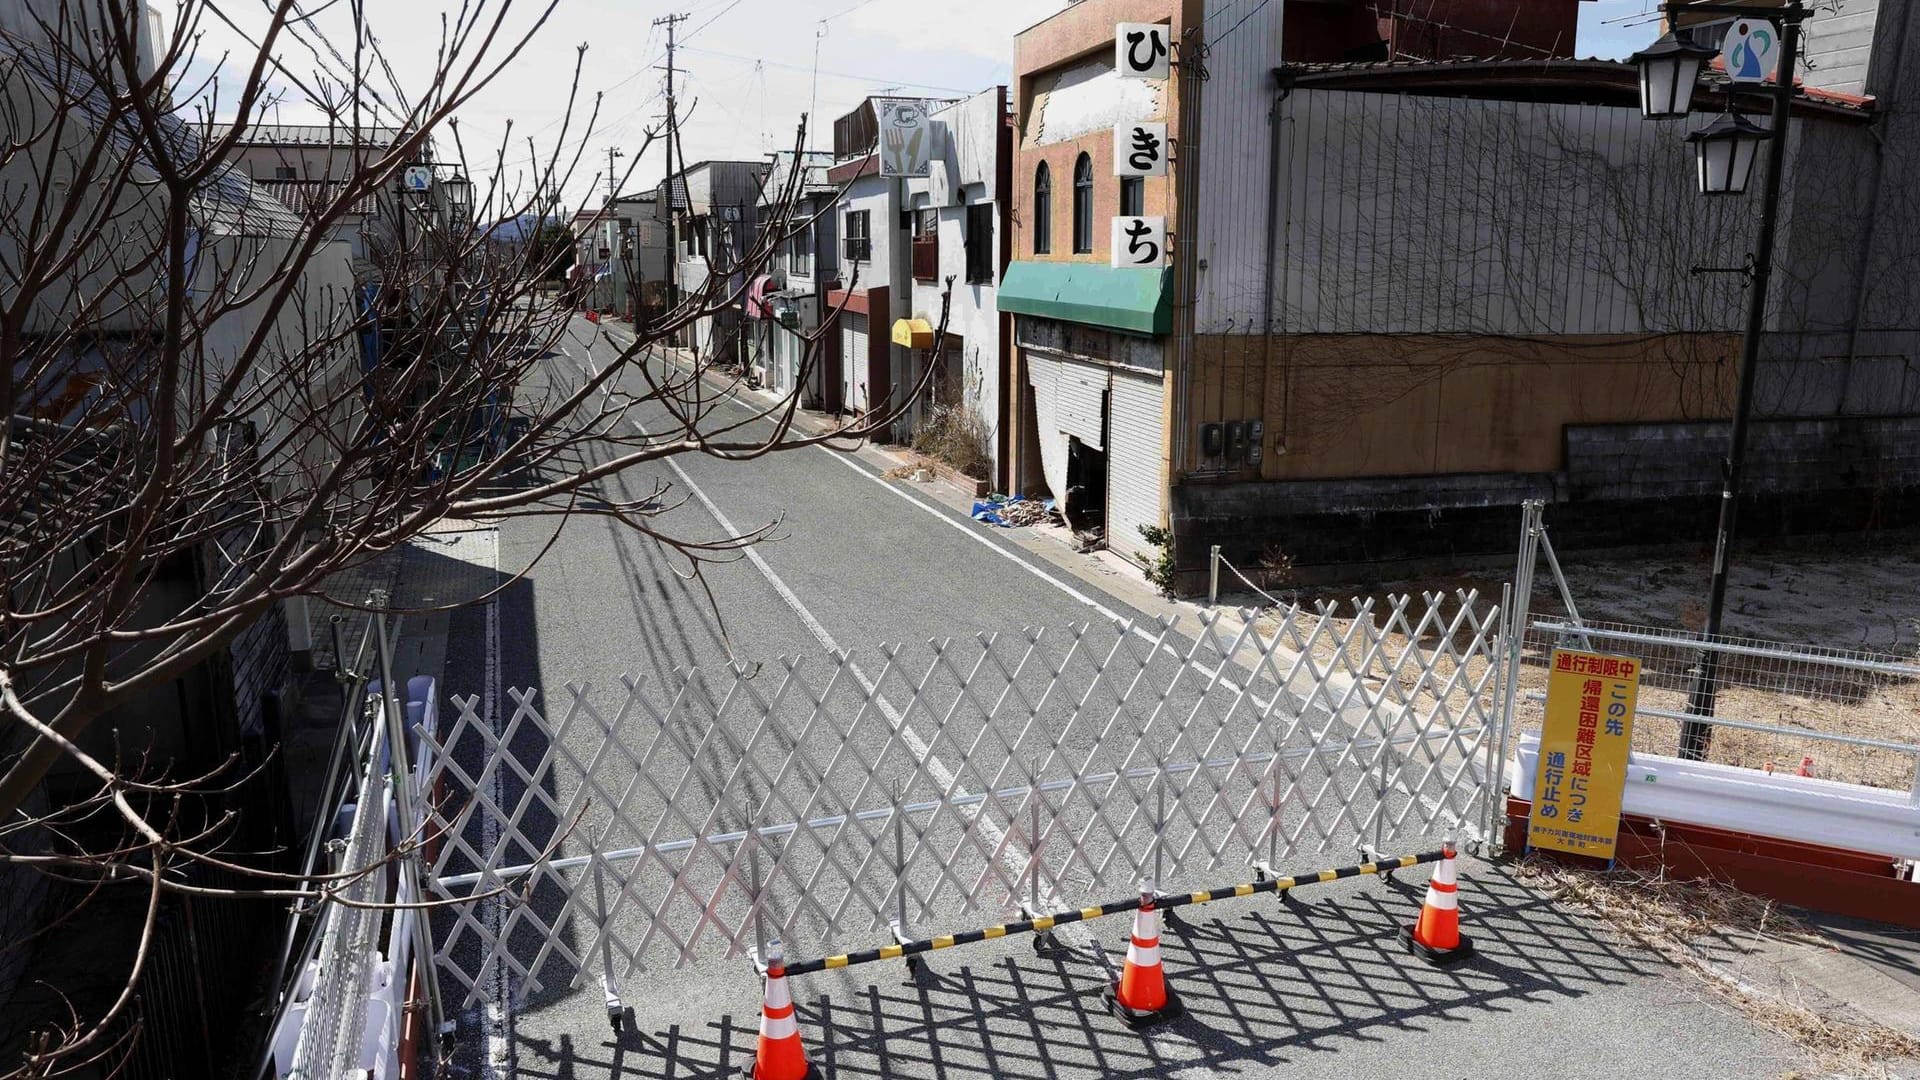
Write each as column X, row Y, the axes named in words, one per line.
column 746, row 69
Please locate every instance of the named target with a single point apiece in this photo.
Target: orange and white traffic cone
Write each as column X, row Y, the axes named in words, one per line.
column 1141, row 997
column 780, row 1057
column 1436, row 937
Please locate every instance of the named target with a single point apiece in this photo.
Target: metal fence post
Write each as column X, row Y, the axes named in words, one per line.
column 1160, row 828
column 1273, row 825
column 403, row 795
column 1530, row 518
column 1213, row 576
column 900, row 861
column 616, row 1011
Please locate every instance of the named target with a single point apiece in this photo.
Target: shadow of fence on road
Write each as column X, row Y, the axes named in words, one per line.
column 1265, row 983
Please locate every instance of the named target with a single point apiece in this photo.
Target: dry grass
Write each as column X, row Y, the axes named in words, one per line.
column 1849, row 596
column 1670, row 917
column 954, row 434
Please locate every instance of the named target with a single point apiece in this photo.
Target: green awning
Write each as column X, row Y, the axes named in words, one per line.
column 1130, row 299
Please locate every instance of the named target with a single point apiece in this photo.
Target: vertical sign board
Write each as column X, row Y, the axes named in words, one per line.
column 1142, row 50
column 1139, row 241
column 1583, row 753
column 1140, row 149
column 906, row 139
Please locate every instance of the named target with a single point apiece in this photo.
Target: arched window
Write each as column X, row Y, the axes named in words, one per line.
column 1083, row 205
column 1042, row 210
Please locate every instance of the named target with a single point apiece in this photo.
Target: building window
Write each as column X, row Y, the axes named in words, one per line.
column 926, row 245
column 859, row 242
column 1083, row 206
column 1042, row 210
column 283, row 172
column 980, row 250
column 1133, row 196
column 800, row 248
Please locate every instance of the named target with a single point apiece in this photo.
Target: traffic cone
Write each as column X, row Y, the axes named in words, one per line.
column 780, row 1057
column 1436, row 937
column 1141, row 998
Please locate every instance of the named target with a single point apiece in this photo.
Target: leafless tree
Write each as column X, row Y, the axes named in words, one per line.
column 190, row 374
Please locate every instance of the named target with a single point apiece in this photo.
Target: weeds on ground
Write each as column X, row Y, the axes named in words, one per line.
column 1668, row 916
column 956, row 435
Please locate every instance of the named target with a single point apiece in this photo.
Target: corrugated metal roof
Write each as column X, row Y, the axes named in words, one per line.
column 372, row 135
column 228, row 202
column 309, row 196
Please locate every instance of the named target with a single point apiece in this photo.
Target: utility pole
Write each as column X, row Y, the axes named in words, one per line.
column 613, row 182
column 673, row 225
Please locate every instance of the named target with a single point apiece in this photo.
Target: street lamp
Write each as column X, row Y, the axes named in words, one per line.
column 1725, row 151
column 459, row 191
column 1669, row 69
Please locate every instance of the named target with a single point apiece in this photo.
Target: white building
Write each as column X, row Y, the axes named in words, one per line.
column 958, row 248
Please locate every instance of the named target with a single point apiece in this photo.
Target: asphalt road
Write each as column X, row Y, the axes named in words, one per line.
column 857, row 563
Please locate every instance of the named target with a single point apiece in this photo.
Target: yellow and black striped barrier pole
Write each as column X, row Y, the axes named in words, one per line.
column 1048, row 922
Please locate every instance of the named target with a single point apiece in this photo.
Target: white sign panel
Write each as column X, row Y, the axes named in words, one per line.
column 906, row 138
column 1750, row 50
column 416, row 178
column 1140, row 149
column 1139, row 241
column 1141, row 50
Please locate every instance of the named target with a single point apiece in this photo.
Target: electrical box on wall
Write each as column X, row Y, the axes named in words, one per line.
column 1236, row 442
column 1256, row 441
column 1211, row 444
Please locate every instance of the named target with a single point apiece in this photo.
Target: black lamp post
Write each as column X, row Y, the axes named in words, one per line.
column 1725, row 152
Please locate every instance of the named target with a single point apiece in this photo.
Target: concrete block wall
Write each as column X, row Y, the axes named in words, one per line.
column 261, row 666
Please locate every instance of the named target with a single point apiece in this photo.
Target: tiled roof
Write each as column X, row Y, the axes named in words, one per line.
column 1528, row 79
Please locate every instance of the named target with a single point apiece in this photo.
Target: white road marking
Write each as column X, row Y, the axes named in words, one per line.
column 1014, row 855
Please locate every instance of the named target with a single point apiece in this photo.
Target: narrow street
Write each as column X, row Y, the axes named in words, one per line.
column 861, row 561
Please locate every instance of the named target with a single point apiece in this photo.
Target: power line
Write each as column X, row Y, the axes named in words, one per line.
column 877, row 80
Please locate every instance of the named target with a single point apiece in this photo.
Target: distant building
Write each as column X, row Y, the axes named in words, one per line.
column 713, row 208
column 622, row 255
column 308, row 166
column 784, row 301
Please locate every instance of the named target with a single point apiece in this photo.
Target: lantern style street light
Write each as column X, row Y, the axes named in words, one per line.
column 1669, row 70
column 459, row 192
column 1725, row 152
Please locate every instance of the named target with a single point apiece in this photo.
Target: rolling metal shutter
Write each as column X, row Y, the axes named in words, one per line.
column 853, row 360
column 1133, row 462
column 1079, row 396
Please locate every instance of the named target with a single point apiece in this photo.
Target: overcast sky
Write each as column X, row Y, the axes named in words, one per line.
column 746, row 68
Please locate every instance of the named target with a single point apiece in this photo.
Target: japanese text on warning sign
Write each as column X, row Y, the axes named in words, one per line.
column 1583, row 753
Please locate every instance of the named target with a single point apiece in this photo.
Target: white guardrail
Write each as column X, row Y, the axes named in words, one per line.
column 1803, row 808
column 347, row 1009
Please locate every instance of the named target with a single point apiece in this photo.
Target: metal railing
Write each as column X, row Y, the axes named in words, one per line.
column 1839, row 713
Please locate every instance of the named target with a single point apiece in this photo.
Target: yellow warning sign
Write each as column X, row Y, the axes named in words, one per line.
column 1583, row 753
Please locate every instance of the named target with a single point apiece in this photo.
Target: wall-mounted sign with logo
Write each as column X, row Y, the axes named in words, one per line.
column 1142, row 50
column 1140, row 149
column 1750, row 50
column 1139, row 241
column 906, row 139
column 417, row 179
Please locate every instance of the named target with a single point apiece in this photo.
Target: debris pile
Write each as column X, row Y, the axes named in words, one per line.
column 1011, row 512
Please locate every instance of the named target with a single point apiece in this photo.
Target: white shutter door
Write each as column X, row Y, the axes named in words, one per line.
column 853, row 360
column 1042, row 373
column 1133, row 462
column 1080, row 391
